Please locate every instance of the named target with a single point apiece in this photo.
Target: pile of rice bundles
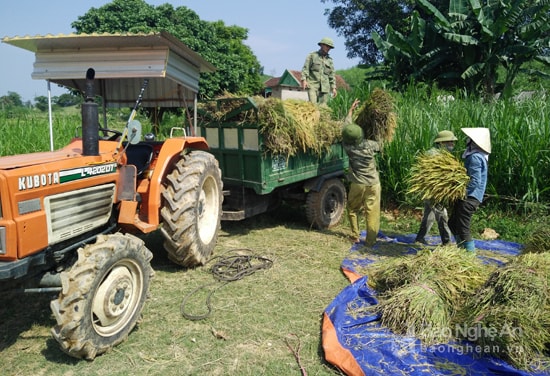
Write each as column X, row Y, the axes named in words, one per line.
column 419, row 294
column 510, row 316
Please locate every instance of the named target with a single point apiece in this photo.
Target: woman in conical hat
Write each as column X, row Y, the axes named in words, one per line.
column 476, row 158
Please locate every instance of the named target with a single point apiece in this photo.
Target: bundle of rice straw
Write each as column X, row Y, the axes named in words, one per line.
column 456, row 274
column 377, row 116
column 509, row 317
column 438, row 176
column 420, row 294
column 290, row 126
column 416, row 310
column 274, row 124
column 539, row 239
column 221, row 107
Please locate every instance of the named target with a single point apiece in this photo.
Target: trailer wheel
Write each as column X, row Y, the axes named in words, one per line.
column 324, row 208
column 102, row 295
column 192, row 209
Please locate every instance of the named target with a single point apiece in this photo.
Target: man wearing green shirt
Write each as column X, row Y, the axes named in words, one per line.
column 318, row 75
column 365, row 189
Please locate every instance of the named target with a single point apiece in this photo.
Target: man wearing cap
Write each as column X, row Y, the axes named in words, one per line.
column 365, row 190
column 318, row 75
column 476, row 158
column 433, row 211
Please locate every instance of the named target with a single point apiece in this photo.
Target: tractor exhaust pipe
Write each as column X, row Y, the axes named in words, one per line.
column 90, row 118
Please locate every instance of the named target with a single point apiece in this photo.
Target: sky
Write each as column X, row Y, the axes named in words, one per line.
column 280, row 33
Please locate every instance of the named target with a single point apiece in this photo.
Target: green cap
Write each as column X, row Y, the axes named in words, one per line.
column 445, row 136
column 326, row 41
column 352, row 134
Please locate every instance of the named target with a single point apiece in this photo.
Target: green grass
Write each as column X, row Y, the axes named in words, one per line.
column 256, row 315
column 251, row 320
column 519, row 166
column 28, row 131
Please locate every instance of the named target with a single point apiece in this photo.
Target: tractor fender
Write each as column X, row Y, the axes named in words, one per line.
column 169, row 154
column 315, row 184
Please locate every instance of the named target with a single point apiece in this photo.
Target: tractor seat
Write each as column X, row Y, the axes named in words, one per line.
column 139, row 155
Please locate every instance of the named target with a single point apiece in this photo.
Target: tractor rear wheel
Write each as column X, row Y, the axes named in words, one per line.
column 102, row 295
column 324, row 208
column 192, row 209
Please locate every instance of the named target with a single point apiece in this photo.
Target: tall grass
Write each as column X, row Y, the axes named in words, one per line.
column 519, row 166
column 28, row 131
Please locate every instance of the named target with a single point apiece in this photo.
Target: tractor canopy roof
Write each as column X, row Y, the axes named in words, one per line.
column 121, row 63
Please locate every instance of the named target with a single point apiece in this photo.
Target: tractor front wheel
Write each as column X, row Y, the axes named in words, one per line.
column 102, row 295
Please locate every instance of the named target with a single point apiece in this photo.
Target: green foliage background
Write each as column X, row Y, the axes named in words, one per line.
column 237, row 68
column 519, row 166
column 463, row 44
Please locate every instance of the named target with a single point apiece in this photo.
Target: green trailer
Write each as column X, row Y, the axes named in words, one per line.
column 255, row 180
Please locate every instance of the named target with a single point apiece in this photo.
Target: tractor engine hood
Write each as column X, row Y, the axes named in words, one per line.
column 71, row 151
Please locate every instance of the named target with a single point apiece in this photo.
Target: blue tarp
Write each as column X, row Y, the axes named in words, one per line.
column 378, row 351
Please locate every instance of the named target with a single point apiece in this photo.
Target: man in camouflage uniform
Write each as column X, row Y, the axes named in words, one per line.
column 365, row 189
column 318, row 75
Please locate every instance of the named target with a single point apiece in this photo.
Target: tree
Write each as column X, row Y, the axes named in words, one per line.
column 238, row 70
column 11, row 100
column 466, row 44
column 68, row 99
column 356, row 20
column 419, row 55
column 41, row 102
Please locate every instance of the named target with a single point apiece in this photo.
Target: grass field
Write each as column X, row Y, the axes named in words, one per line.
column 247, row 332
column 257, row 324
column 519, row 165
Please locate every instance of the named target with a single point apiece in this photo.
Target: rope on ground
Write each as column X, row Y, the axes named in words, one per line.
column 227, row 269
column 296, row 352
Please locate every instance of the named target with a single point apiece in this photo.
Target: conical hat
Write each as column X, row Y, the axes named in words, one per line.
column 480, row 136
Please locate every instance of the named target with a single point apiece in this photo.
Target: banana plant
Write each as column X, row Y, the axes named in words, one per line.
column 411, row 56
column 467, row 43
column 509, row 34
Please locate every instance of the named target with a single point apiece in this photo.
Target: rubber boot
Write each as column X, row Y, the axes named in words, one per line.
column 469, row 246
